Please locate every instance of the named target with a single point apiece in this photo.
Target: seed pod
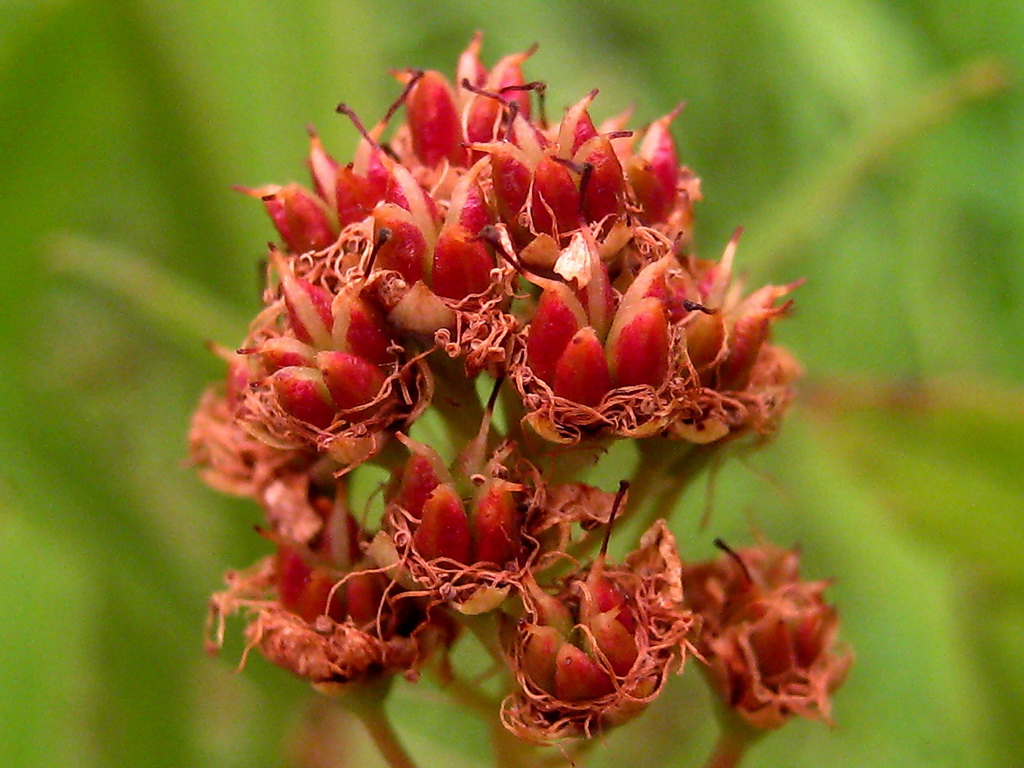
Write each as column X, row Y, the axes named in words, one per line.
column 434, row 120
column 302, row 394
column 300, row 217
column 558, row 317
column 638, row 345
column 351, row 380
column 581, row 374
column 443, row 530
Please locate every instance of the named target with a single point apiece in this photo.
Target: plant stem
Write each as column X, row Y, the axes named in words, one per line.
column 729, row 750
column 485, row 629
column 466, row 694
column 662, row 479
column 368, row 705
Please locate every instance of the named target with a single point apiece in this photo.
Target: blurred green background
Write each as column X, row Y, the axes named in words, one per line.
column 871, row 146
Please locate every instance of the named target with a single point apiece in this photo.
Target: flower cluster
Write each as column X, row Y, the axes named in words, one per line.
column 477, row 247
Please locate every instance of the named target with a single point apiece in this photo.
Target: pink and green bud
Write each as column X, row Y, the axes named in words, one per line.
column 469, row 206
column 303, row 395
column 351, row 380
column 576, row 127
column 361, row 329
column 300, row 217
column 470, row 67
column 638, row 345
column 505, row 78
column 654, row 171
column 308, row 305
column 323, row 169
column 282, row 352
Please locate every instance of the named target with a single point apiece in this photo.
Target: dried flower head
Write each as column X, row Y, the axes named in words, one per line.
column 470, row 236
column 768, row 637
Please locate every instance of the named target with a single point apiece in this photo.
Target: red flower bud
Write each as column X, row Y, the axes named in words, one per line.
column 496, row 525
column 581, row 374
column 462, row 264
column 302, row 394
column 354, row 196
column 405, row 251
column 424, row 471
column 443, row 530
column 300, row 217
column 361, row 329
column 638, row 345
column 539, row 654
column 434, row 121
column 558, row 317
column 363, row 595
column 511, row 176
column 351, row 380
column 469, row 206
column 555, row 203
column 578, row 677
column 606, row 186
column 615, row 641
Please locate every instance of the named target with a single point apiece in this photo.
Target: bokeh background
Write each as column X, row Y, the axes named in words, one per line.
column 875, row 147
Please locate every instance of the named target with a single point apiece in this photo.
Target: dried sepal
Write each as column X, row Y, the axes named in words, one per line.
column 229, row 457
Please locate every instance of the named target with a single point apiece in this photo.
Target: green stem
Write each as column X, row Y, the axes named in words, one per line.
column 485, row 629
column 466, row 694
column 456, row 401
column 729, row 750
column 368, row 705
column 509, row 751
column 659, row 482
